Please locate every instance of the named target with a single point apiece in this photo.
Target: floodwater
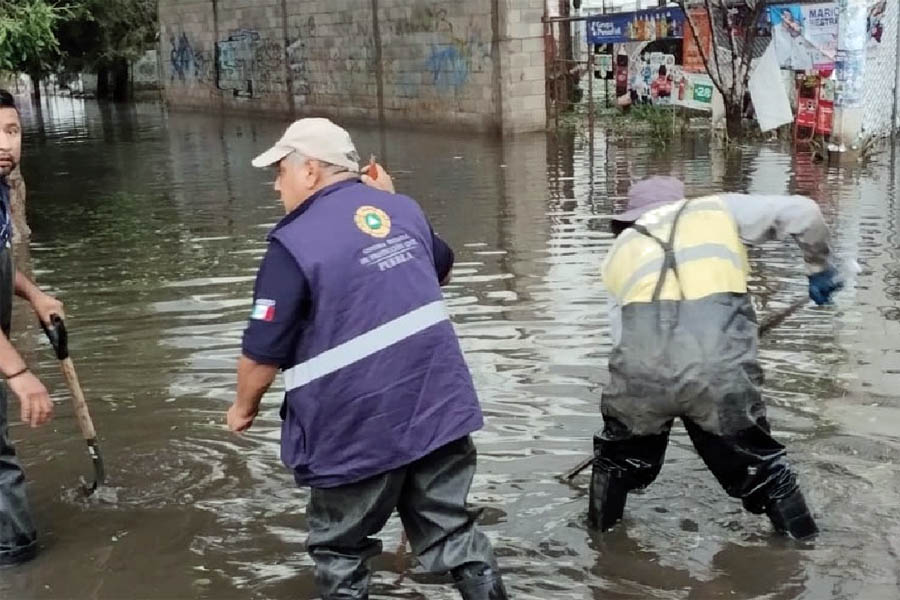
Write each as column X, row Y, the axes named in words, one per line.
column 150, row 226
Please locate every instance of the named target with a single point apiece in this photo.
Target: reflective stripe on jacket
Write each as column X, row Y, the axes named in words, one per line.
column 378, row 379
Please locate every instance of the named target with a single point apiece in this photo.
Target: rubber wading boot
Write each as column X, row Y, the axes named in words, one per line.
column 791, row 516
column 18, row 556
column 606, row 504
column 483, row 584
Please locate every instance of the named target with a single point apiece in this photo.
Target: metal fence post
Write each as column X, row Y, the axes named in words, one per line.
column 590, row 73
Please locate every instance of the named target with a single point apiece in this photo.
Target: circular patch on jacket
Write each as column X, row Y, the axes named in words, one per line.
column 373, row 221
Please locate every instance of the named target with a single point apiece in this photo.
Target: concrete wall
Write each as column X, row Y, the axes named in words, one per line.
column 474, row 64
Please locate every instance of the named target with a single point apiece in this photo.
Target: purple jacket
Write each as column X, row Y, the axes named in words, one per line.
column 379, row 379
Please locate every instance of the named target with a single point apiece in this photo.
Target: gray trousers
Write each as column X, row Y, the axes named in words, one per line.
column 430, row 495
column 18, row 539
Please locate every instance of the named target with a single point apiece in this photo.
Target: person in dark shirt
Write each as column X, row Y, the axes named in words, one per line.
column 18, row 537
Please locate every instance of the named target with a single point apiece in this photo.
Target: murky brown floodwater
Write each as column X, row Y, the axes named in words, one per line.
column 150, row 227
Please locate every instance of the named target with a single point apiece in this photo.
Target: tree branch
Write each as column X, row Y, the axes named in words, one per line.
column 756, row 10
column 703, row 54
column 715, row 43
column 729, row 24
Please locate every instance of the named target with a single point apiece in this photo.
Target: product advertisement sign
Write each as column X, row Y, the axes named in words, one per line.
column 693, row 58
column 640, row 26
column 693, row 90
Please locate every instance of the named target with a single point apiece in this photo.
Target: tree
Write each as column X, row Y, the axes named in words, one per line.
column 28, row 42
column 728, row 61
column 105, row 36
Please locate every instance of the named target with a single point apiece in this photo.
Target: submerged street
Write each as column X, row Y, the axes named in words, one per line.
column 150, row 225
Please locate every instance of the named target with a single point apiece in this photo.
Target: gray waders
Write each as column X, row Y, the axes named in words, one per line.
column 430, row 495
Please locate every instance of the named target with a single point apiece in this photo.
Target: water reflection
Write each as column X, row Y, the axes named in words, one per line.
column 151, row 224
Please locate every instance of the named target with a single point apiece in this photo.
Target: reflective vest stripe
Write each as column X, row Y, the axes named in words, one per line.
column 365, row 345
column 682, row 257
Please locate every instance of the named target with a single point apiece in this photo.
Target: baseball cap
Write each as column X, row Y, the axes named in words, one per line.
column 648, row 194
column 316, row 138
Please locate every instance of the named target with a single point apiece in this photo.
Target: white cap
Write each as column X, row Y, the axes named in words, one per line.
column 314, row 138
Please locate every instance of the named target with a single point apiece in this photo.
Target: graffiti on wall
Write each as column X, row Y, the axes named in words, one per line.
column 297, row 63
column 450, row 64
column 269, row 65
column 187, row 63
column 234, row 62
column 318, row 64
column 424, row 19
column 249, row 65
column 298, row 58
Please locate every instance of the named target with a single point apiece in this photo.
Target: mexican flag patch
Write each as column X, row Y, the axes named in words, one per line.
column 263, row 310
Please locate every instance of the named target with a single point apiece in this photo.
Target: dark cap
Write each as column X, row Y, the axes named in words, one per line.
column 648, row 194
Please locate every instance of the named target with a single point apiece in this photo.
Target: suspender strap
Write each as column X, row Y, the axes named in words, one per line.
column 668, row 248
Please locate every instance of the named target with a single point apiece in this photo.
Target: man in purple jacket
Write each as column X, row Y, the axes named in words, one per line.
column 379, row 402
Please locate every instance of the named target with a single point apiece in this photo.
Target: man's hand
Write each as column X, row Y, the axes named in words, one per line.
column 239, row 421
column 382, row 182
column 36, row 405
column 46, row 306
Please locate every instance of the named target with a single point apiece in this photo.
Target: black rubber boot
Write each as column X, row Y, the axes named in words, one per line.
column 9, row 558
column 606, row 504
column 607, row 498
column 790, row 516
column 483, row 583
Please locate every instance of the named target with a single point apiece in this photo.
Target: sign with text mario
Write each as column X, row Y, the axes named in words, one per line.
column 805, row 35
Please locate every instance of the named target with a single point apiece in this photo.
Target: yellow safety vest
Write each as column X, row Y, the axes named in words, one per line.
column 707, row 256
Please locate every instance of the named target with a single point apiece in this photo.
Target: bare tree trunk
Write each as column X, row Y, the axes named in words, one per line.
column 741, row 54
column 734, row 120
column 35, row 86
column 121, row 91
column 102, row 82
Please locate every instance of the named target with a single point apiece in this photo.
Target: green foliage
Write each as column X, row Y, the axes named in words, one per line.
column 653, row 122
column 28, row 40
column 103, row 31
column 659, row 122
column 36, row 35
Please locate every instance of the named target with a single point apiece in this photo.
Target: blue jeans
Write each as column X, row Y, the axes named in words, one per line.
column 18, row 539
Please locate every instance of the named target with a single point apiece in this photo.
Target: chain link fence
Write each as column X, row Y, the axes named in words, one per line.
column 881, row 93
column 577, row 85
column 569, row 68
